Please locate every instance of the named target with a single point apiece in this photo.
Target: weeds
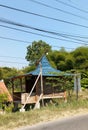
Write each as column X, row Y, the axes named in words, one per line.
column 53, row 111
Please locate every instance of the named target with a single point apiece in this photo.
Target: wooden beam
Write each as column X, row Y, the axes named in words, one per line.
column 21, row 84
column 12, row 81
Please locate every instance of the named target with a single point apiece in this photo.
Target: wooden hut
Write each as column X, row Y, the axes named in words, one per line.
column 35, row 88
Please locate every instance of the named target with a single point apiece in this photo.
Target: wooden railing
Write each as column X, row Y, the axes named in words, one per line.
column 34, row 98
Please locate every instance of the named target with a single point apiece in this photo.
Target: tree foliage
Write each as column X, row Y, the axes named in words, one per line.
column 84, row 79
column 6, row 72
column 28, row 69
column 80, row 57
column 3, row 98
column 36, row 51
column 62, row 60
column 61, row 83
column 77, row 59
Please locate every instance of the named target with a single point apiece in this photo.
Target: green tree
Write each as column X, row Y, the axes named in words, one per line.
column 62, row 49
column 58, row 57
column 81, row 57
column 61, row 65
column 3, row 98
column 62, row 83
column 84, row 79
column 69, row 61
column 28, row 69
column 36, row 51
column 6, row 73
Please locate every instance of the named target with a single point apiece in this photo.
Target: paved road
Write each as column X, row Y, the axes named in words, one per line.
column 74, row 123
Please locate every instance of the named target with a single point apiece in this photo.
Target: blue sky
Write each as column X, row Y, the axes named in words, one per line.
column 12, row 53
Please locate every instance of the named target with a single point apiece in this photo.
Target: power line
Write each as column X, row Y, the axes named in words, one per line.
column 64, row 47
column 11, row 22
column 35, row 34
column 75, row 35
column 21, row 30
column 33, row 28
column 41, row 35
column 69, row 5
column 47, row 17
column 39, row 2
column 13, row 57
column 58, row 9
column 3, row 20
column 23, row 41
column 66, row 36
column 63, row 34
column 14, row 39
column 12, row 62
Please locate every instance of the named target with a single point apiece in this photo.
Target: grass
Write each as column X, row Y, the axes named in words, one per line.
column 52, row 111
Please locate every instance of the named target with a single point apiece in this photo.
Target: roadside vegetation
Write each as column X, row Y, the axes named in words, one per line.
column 55, row 110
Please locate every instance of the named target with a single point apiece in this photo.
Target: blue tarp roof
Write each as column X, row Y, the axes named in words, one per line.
column 47, row 69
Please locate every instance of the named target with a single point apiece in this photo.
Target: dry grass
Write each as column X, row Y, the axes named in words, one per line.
column 10, row 121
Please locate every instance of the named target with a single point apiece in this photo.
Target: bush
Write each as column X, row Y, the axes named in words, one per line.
column 3, row 98
column 9, row 108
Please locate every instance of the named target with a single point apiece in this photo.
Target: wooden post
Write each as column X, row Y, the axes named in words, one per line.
column 21, row 84
column 77, row 87
column 25, row 84
column 37, row 92
column 41, row 83
column 12, row 88
column 12, row 85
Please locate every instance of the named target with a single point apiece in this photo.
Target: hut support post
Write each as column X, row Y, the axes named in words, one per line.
column 12, row 87
column 41, row 84
column 21, row 84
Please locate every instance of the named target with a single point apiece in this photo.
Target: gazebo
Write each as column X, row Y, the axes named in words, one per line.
column 35, row 88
